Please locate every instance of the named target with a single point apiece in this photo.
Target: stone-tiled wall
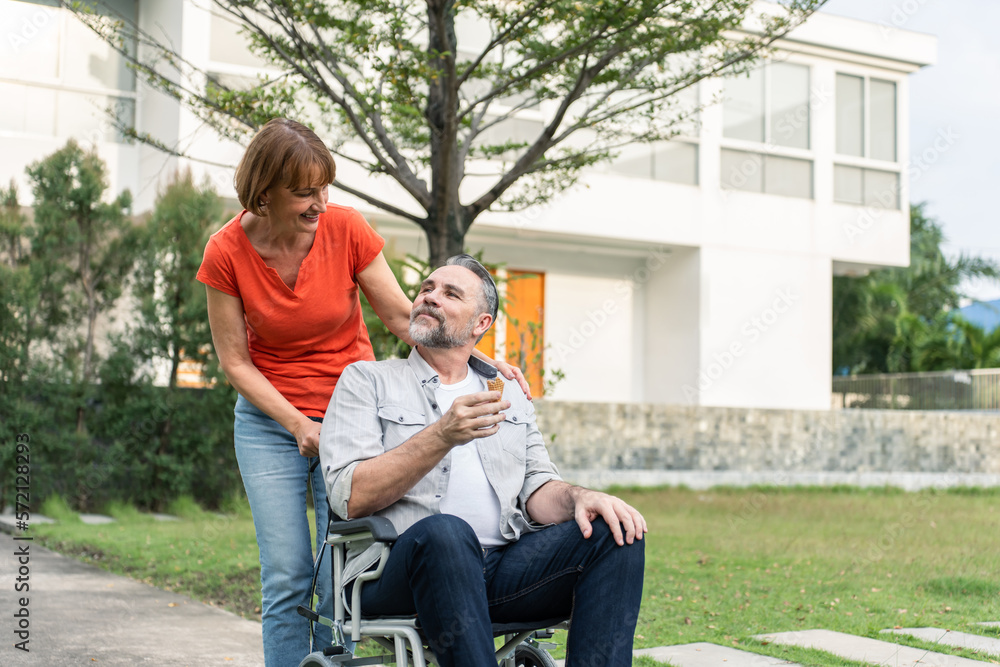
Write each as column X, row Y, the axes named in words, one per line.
column 640, row 443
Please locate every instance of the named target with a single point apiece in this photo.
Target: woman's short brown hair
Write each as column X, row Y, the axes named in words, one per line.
column 284, row 153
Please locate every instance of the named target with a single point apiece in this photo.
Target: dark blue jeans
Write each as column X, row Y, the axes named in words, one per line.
column 457, row 589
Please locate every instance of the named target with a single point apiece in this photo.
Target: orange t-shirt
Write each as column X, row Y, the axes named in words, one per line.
column 300, row 340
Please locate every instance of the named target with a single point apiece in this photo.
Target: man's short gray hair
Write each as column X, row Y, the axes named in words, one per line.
column 490, row 298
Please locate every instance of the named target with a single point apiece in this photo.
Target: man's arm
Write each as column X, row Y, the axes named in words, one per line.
column 362, row 476
column 556, row 501
column 381, row 481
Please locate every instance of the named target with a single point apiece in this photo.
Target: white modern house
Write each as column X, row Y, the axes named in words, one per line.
column 694, row 272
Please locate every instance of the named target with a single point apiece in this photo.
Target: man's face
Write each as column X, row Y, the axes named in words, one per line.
column 448, row 310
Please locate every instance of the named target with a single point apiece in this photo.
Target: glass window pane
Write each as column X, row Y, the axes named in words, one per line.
column 228, row 45
column 676, row 161
column 12, row 115
column 81, row 116
column 634, row 160
column 93, row 62
column 848, row 185
column 29, row 49
column 883, row 120
column 684, row 104
column 743, row 108
column 40, row 110
column 790, row 105
column 850, row 115
column 787, row 176
column 881, row 188
column 742, row 171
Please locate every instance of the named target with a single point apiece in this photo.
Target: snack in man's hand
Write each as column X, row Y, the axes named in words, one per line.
column 495, row 384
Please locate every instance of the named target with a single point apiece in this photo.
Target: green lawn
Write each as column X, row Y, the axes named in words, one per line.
column 721, row 566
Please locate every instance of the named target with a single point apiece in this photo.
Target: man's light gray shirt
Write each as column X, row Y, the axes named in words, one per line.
column 377, row 406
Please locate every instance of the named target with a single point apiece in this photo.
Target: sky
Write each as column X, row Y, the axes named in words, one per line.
column 959, row 94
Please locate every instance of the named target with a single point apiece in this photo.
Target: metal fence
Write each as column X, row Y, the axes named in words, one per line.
column 947, row 390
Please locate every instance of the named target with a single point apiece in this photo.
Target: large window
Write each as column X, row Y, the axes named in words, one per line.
column 866, row 117
column 766, row 173
column 674, row 161
column 768, row 106
column 58, row 78
column 866, row 133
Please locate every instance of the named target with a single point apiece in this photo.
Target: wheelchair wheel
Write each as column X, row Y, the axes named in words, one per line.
column 317, row 659
column 526, row 655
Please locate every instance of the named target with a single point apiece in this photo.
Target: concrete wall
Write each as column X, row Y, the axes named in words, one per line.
column 602, row 444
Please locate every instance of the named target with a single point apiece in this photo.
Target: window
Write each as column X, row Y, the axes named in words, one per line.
column 866, row 103
column 866, row 130
column 674, row 161
column 61, row 77
column 228, row 45
column 765, row 173
column 866, row 187
column 671, row 161
column 769, row 106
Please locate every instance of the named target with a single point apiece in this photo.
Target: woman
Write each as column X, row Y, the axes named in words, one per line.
column 282, row 279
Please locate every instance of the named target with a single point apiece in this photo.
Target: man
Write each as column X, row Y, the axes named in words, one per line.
column 486, row 530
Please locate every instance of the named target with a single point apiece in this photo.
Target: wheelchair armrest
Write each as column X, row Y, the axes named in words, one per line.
column 380, row 528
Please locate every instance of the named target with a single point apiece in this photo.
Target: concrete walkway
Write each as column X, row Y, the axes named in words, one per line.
column 78, row 614
column 871, row 651
column 987, row 645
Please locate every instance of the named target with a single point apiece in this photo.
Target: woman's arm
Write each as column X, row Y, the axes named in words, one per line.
column 229, row 334
column 386, row 297
column 393, row 308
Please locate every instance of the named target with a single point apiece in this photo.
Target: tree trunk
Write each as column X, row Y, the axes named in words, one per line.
column 445, row 227
column 445, row 237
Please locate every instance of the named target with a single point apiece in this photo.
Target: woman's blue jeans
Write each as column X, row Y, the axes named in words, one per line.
column 438, row 571
column 276, row 478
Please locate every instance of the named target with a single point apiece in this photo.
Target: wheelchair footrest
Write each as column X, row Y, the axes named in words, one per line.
column 308, row 613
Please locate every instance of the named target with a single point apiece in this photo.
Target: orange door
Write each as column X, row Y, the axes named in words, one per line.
column 524, row 304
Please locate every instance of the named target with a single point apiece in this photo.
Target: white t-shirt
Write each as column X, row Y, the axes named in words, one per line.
column 470, row 495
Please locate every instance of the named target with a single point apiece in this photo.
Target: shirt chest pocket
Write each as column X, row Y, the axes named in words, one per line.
column 513, row 434
column 399, row 424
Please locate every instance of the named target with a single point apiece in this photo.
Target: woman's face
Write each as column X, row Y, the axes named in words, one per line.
column 296, row 207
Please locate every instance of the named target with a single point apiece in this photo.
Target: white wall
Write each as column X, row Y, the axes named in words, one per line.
column 672, row 329
column 766, row 330
column 588, row 330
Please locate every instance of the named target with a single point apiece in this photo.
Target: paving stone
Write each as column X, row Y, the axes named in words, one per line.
column 95, row 519
column 872, row 651
column 989, row 645
column 704, row 654
column 990, row 624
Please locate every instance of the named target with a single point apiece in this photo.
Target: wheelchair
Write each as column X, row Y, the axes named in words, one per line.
column 524, row 645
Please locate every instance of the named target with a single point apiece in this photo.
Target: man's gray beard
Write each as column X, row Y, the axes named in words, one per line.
column 438, row 337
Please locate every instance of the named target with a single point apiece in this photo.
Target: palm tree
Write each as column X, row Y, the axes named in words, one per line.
column 882, row 320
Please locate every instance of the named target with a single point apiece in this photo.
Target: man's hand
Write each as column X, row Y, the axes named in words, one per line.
column 472, row 416
column 307, row 437
column 588, row 505
column 556, row 501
